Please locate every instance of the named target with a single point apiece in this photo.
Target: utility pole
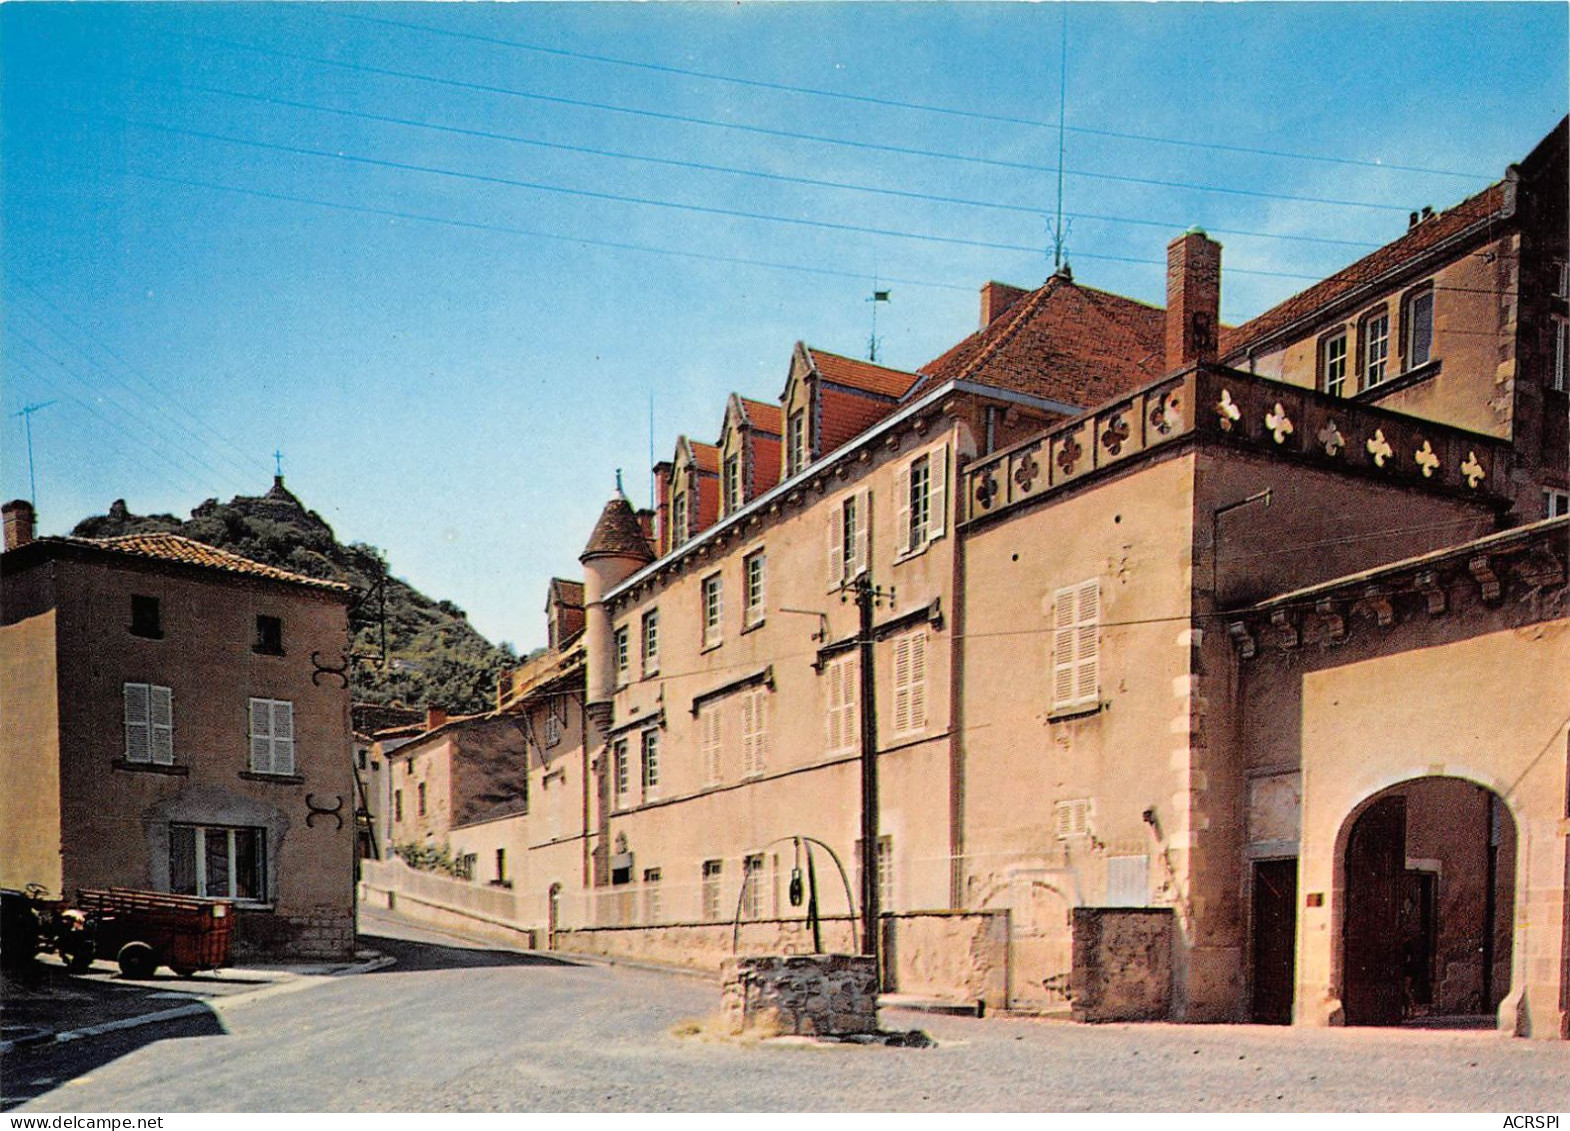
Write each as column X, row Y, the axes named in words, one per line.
column 26, row 413
column 868, row 597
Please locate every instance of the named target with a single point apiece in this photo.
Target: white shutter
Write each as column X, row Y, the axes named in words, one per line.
column 162, row 704
column 836, row 542
column 747, row 729
column 862, row 561
column 902, row 510
column 283, row 737
column 261, row 736
column 1087, row 651
column 937, row 492
column 850, row 693
column 833, row 715
column 138, row 712
column 710, row 730
column 918, row 680
column 902, row 684
column 760, row 742
column 1063, row 648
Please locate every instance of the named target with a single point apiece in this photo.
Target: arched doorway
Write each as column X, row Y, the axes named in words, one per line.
column 1429, row 900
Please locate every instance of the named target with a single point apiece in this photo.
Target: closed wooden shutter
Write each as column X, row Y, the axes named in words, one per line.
column 910, row 683
column 937, row 492
column 161, row 701
column 850, row 693
column 138, row 714
column 861, row 562
column 836, row 547
column 748, row 733
column 283, row 737
column 902, row 510
column 709, row 736
column 261, row 736
column 835, row 709
column 1087, row 648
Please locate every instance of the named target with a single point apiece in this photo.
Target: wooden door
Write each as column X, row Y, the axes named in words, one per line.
column 1275, row 940
column 1375, row 886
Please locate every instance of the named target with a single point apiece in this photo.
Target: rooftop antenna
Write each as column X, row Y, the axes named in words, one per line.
column 652, row 502
column 277, row 463
column 872, row 339
column 1059, row 232
column 26, row 413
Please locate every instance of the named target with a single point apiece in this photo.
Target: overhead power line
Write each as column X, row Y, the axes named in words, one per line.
column 654, row 202
column 893, row 103
column 703, row 166
column 795, row 135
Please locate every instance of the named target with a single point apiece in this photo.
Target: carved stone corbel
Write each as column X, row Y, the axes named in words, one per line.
column 1427, row 583
column 1376, row 600
column 1482, row 570
column 1241, row 640
column 1333, row 619
column 1287, row 634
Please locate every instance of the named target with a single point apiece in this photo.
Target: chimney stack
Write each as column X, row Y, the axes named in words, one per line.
column 20, row 523
column 1193, row 299
column 434, row 717
column 995, row 299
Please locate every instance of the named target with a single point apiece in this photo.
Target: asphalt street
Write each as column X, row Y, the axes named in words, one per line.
column 457, row 1026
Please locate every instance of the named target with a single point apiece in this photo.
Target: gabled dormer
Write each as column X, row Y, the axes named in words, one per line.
column 830, row 399
column 694, row 489
column 749, row 451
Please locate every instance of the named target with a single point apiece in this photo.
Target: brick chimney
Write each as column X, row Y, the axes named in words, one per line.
column 995, row 299
column 20, row 523
column 1193, row 299
column 434, row 717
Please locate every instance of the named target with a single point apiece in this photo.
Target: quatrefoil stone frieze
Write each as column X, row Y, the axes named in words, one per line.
column 1025, row 474
column 1426, row 459
column 1472, row 469
column 1227, row 411
column 1279, row 423
column 1331, row 439
column 1068, row 455
column 986, row 489
column 1115, row 434
column 1166, row 413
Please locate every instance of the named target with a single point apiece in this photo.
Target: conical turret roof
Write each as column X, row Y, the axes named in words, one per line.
column 618, row 533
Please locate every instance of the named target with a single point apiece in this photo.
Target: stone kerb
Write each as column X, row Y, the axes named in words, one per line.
column 804, row 994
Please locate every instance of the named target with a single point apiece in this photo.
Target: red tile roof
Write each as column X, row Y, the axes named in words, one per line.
column 865, row 375
column 618, row 533
column 1063, row 342
column 762, row 415
column 1488, row 203
column 188, row 551
column 706, row 456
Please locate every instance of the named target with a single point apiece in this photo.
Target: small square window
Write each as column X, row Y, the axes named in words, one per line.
column 269, row 636
column 144, row 617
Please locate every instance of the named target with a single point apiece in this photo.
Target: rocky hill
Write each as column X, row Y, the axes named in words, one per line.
column 434, row 655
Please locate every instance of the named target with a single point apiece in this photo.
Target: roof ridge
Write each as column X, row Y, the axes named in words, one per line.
column 1018, row 315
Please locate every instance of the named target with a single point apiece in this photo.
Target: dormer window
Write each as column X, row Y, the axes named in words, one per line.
column 679, row 524
column 798, row 440
column 732, row 484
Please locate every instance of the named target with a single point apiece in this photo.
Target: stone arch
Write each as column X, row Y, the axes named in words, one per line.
column 1425, row 883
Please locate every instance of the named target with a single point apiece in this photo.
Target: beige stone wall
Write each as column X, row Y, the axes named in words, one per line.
column 115, row 820
column 958, row 956
column 29, row 752
column 803, row 786
column 428, row 764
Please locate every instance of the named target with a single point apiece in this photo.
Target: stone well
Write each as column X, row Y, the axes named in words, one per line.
column 806, row 994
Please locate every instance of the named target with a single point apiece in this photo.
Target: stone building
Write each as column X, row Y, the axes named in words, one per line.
column 176, row 720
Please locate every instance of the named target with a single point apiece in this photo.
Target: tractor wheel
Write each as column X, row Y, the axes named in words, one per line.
column 183, row 971
column 137, row 960
column 81, row 958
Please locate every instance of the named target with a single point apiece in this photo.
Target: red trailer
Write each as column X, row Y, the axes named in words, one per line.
column 148, row 929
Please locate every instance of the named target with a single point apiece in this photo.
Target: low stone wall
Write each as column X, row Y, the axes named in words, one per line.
column 321, row 932
column 961, row 956
column 807, row 994
column 484, row 912
column 704, row 946
column 1122, row 964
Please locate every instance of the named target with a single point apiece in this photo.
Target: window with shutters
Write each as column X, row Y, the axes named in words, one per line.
column 709, row 910
column 921, row 500
column 849, row 542
column 145, row 619
column 622, row 769
column 1076, row 647
column 272, row 736
column 623, row 656
column 842, row 709
column 754, row 731
column 713, row 610
column 710, row 738
column 217, row 862
column 754, row 567
column 1418, row 336
column 149, row 724
column 651, row 643
column 1071, row 818
column 910, row 682
column 651, row 764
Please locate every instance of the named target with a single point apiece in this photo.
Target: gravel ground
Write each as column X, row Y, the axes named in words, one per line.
column 456, row 1027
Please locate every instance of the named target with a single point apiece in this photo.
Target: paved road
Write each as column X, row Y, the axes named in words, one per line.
column 458, row 1027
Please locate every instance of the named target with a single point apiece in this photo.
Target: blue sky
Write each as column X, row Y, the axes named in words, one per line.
column 442, row 256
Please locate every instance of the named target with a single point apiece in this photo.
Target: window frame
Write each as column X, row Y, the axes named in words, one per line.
column 622, row 649
column 921, row 517
column 731, row 486
column 754, row 588
column 1076, row 648
column 680, row 527
column 269, row 635
column 1409, row 304
column 146, row 617
column 1556, row 502
column 649, row 642
column 754, row 731
column 201, row 858
column 1559, row 374
column 712, row 611
column 842, row 705
column 653, row 904
column 649, row 762
column 273, row 739
column 753, row 866
column 796, row 442
column 849, row 539
column 908, row 676
column 1366, row 343
column 621, row 773
column 711, row 742
column 710, row 890
column 1342, row 336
